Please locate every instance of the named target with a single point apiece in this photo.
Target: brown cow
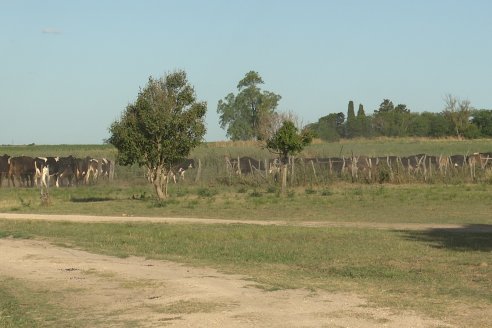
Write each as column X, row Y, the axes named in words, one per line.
column 23, row 169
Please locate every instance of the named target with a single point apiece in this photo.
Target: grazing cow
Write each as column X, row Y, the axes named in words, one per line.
column 23, row 169
column 4, row 167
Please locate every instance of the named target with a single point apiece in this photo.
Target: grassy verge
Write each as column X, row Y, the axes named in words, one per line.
column 440, row 272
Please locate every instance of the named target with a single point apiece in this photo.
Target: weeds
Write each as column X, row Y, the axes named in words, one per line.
column 206, row 192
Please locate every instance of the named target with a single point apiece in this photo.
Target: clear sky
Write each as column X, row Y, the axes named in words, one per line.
column 69, row 68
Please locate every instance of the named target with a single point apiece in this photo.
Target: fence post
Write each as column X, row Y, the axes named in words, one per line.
column 199, row 171
column 314, row 171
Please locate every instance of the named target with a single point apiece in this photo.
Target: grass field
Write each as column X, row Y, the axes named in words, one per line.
column 410, row 203
column 445, row 273
column 440, row 273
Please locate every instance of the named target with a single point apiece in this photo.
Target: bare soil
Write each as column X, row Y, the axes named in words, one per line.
column 106, row 291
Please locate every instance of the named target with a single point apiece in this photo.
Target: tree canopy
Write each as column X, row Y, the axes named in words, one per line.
column 287, row 141
column 249, row 114
column 161, row 127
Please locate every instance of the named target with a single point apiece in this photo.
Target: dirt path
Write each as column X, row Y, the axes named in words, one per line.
column 105, row 291
column 376, row 225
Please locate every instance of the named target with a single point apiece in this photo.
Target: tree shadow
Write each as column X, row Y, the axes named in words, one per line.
column 90, row 199
column 473, row 237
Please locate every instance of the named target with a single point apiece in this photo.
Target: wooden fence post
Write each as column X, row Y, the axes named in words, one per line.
column 199, row 171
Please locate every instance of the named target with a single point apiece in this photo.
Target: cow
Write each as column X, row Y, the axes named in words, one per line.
column 23, row 169
column 245, row 165
column 67, row 170
column 4, row 167
column 457, row 161
column 180, row 168
column 85, row 168
column 46, row 168
column 104, row 168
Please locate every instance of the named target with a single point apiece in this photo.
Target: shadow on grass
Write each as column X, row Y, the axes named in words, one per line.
column 90, row 199
column 473, row 237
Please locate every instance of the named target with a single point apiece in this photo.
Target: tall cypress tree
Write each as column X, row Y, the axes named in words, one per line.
column 351, row 121
column 362, row 125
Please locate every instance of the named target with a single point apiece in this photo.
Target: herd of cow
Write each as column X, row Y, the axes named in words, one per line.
column 357, row 166
column 68, row 171
column 63, row 171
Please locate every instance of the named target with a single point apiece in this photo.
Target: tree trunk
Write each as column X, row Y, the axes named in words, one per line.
column 160, row 186
column 283, row 171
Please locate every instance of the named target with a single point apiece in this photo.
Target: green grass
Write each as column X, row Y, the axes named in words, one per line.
column 410, row 203
column 24, row 305
column 13, row 312
column 428, row 271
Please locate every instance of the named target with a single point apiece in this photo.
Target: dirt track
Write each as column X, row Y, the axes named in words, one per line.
column 375, row 225
column 107, row 291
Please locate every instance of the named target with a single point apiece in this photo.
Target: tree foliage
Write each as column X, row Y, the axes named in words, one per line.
column 483, row 120
column 287, row 141
column 391, row 121
column 161, row 127
column 458, row 119
column 249, row 114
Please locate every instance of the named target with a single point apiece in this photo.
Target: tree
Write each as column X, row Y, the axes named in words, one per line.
column 483, row 120
column 458, row 114
column 363, row 122
column 249, row 114
column 329, row 127
column 390, row 120
column 161, row 127
column 351, row 125
column 287, row 141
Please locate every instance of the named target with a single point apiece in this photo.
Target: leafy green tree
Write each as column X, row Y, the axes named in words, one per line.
column 483, row 120
column 419, row 125
column 161, row 127
column 439, row 125
column 287, row 141
column 329, row 127
column 249, row 114
column 390, row 120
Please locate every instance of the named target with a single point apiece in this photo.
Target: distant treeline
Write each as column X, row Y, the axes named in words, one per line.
column 458, row 119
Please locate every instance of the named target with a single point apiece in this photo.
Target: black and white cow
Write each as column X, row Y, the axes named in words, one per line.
column 85, row 169
column 179, row 169
column 45, row 167
column 67, row 168
column 105, row 168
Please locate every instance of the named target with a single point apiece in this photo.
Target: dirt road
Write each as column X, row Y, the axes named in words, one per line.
column 103, row 291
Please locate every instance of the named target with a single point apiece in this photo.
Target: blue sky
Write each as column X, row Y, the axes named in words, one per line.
column 69, row 68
